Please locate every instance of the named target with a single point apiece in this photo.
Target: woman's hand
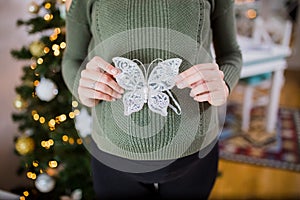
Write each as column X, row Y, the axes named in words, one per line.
column 97, row 83
column 206, row 83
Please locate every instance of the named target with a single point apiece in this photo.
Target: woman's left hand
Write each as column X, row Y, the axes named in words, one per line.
column 206, row 83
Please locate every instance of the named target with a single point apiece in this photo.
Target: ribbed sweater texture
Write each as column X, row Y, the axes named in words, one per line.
column 146, row 30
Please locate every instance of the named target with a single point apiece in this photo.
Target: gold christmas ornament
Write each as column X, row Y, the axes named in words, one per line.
column 33, row 7
column 36, row 48
column 20, row 103
column 24, row 145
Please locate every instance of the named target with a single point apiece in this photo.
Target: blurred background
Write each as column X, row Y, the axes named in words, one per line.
column 260, row 143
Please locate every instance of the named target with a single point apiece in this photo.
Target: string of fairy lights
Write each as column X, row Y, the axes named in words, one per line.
column 25, row 145
column 56, row 50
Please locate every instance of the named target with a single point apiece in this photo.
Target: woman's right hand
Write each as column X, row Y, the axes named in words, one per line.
column 97, row 82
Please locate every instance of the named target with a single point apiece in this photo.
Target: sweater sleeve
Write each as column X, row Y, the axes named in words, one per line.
column 228, row 54
column 78, row 37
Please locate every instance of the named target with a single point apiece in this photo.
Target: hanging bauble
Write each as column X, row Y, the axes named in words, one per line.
column 24, row 145
column 20, row 103
column 83, row 123
column 28, row 132
column 36, row 49
column 76, row 195
column 44, row 183
column 62, row 8
column 62, row 11
column 33, row 7
column 46, row 90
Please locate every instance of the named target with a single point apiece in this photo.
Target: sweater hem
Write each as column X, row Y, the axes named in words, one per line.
column 169, row 152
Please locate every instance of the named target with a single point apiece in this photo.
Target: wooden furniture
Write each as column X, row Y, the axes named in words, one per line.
column 260, row 59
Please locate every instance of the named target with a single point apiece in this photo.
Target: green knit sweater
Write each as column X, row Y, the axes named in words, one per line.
column 145, row 30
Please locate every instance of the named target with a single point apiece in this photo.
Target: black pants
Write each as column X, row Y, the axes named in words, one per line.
column 186, row 178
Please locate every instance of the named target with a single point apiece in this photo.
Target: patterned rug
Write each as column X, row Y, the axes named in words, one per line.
column 280, row 149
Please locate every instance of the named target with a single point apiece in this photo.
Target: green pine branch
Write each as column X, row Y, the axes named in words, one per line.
column 22, row 54
column 38, row 24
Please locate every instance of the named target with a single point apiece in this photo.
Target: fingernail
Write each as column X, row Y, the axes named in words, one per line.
column 119, row 96
column 113, row 99
column 192, row 94
column 114, row 71
column 180, row 85
column 122, row 91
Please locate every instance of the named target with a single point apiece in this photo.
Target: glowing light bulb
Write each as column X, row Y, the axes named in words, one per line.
column 36, row 117
column 53, row 164
column 63, row 45
column 46, row 50
column 40, row 61
column 65, row 138
column 35, row 164
column 47, row 6
column 42, row 120
column 26, row 193
column 51, row 123
column 75, row 104
column 71, row 141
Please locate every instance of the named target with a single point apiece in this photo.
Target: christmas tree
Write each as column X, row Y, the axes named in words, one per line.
column 52, row 154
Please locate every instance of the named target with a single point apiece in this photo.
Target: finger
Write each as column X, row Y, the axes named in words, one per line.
column 98, row 86
column 202, row 97
column 107, row 90
column 200, row 76
column 102, row 78
column 210, row 86
column 199, row 89
column 87, row 93
column 110, row 81
column 191, row 80
column 221, row 74
column 217, row 98
column 197, row 73
column 196, row 68
column 197, row 83
column 98, row 63
column 87, row 83
column 211, row 97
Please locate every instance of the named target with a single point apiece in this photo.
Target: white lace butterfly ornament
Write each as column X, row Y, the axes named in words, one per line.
column 153, row 89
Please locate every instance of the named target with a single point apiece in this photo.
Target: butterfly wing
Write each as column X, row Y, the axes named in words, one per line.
column 158, row 102
column 162, row 76
column 131, row 76
column 133, row 101
column 133, row 81
column 162, row 79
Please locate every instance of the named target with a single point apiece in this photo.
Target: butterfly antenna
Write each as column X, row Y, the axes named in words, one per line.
column 176, row 108
column 143, row 66
column 151, row 65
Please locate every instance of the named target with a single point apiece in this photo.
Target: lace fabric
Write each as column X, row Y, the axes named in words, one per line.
column 142, row 87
